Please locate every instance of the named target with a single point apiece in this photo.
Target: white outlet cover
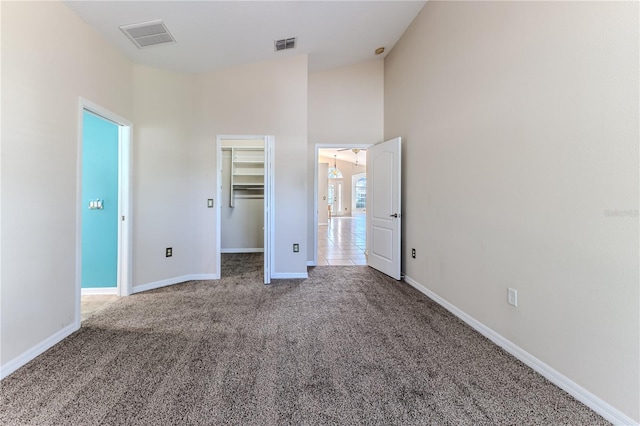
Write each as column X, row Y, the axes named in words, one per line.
column 512, row 296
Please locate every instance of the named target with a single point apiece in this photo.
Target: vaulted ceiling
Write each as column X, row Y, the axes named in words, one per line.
column 213, row 35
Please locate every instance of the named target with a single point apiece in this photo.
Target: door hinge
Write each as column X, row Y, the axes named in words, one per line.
column 122, row 217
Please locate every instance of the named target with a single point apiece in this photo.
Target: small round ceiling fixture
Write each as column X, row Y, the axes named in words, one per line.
column 379, row 50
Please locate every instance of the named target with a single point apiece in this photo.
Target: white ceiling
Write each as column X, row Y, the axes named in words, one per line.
column 344, row 155
column 213, row 35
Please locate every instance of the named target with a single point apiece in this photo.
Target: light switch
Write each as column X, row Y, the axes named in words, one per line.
column 95, row 205
column 210, row 203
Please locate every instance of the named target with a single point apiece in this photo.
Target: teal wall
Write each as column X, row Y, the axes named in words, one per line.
column 99, row 181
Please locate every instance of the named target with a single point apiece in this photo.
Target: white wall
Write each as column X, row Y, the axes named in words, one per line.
column 177, row 118
column 163, row 201
column 268, row 98
column 50, row 58
column 520, row 123
column 346, row 106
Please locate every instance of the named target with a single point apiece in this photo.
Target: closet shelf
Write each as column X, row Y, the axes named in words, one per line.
column 248, row 185
column 247, row 172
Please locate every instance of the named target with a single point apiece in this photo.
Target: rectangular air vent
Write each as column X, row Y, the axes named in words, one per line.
column 285, row 43
column 146, row 34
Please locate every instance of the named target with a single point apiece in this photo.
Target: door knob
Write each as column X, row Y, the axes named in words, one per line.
column 393, row 215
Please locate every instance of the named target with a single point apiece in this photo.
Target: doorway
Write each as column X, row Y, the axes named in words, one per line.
column 340, row 231
column 334, row 197
column 103, row 227
column 245, row 204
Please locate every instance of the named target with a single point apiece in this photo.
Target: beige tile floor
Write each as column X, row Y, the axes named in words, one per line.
column 92, row 303
column 343, row 241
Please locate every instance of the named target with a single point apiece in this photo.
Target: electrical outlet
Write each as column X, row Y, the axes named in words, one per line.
column 296, row 248
column 413, row 253
column 512, row 296
column 169, row 252
column 210, row 203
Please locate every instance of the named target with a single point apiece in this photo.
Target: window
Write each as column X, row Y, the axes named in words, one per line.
column 330, row 196
column 361, row 193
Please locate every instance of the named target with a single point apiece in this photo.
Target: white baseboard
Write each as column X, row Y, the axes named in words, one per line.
column 175, row 280
column 203, row 277
column 242, row 250
column 289, row 275
column 311, row 263
column 99, row 290
column 601, row 407
column 30, row 354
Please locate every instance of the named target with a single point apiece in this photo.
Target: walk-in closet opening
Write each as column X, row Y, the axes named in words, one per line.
column 244, row 208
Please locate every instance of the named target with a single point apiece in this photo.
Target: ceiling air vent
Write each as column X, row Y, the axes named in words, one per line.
column 285, row 43
column 147, row 34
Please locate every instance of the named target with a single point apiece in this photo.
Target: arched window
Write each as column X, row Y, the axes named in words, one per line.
column 361, row 193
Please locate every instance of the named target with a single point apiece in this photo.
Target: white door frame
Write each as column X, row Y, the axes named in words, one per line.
column 319, row 146
column 124, row 268
column 269, row 142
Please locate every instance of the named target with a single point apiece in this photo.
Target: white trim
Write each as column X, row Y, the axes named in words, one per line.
column 572, row 388
column 242, row 250
column 269, row 211
column 311, row 263
column 219, row 204
column 125, row 227
column 36, row 350
column 203, row 277
column 176, row 280
column 314, row 257
column 99, row 290
column 289, row 275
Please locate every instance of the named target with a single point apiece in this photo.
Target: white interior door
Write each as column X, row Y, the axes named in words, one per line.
column 384, row 217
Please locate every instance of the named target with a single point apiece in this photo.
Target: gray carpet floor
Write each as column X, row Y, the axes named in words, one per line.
column 346, row 346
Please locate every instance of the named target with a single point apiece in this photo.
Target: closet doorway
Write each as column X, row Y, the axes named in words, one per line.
column 245, row 205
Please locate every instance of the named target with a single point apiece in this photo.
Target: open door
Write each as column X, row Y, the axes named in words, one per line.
column 384, row 217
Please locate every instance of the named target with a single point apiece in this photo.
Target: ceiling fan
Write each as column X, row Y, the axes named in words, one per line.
column 355, row 151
